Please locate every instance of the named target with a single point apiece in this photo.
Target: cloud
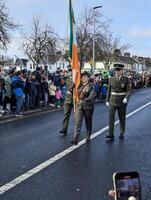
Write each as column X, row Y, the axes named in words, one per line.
column 143, row 33
column 15, row 46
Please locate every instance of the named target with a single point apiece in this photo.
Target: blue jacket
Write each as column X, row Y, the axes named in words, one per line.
column 18, row 86
column 104, row 89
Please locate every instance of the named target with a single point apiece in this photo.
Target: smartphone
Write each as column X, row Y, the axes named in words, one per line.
column 126, row 185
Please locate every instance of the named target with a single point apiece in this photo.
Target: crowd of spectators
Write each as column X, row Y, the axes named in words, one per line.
column 139, row 80
column 24, row 90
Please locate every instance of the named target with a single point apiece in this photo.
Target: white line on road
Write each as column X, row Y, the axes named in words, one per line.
column 47, row 163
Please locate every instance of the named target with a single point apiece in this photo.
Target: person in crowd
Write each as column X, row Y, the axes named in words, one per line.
column 32, row 91
column 63, row 88
column 147, row 81
column 7, row 92
column 12, row 73
column 25, row 78
column 18, row 90
column 58, row 97
column 46, row 71
column 2, row 91
column 37, row 73
column 97, row 87
column 104, row 91
column 52, row 93
column 57, row 78
column 45, row 91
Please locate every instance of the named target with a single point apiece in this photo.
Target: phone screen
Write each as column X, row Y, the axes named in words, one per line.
column 127, row 185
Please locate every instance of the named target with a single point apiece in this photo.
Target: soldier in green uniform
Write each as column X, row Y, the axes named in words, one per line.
column 68, row 105
column 84, row 108
column 119, row 91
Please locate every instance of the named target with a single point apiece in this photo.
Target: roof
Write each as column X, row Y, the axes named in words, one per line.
column 19, row 62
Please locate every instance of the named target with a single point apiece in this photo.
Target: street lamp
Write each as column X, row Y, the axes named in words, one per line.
column 94, row 8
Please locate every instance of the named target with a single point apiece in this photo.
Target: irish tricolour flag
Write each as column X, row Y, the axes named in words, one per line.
column 73, row 54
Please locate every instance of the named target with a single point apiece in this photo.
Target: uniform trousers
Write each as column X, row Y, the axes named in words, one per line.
column 122, row 115
column 67, row 112
column 79, row 115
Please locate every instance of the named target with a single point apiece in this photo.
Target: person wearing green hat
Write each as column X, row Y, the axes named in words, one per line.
column 84, row 108
column 118, row 94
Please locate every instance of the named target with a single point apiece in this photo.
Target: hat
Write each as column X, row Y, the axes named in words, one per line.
column 96, row 73
column 24, row 71
column 69, row 69
column 118, row 66
column 12, row 70
column 85, row 74
column 38, row 68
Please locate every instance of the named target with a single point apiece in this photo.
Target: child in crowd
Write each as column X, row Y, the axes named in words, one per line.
column 58, row 97
column 104, row 91
column 52, row 93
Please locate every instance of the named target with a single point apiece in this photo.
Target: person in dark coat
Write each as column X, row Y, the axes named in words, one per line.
column 45, row 90
column 32, row 91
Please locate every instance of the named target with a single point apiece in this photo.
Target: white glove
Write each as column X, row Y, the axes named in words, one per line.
column 131, row 198
column 125, row 100
column 107, row 104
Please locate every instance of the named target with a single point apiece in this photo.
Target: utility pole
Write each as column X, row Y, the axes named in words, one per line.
column 94, row 8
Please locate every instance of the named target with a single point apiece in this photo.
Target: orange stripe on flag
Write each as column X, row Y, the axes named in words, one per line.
column 76, row 72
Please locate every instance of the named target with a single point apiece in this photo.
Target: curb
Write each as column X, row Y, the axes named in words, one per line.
column 11, row 117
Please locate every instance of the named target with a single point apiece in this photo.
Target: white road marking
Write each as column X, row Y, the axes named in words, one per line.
column 47, row 163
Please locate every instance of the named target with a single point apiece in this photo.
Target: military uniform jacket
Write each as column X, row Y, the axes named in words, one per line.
column 86, row 97
column 115, row 90
column 69, row 94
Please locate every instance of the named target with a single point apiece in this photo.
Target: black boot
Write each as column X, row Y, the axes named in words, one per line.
column 121, row 136
column 110, row 137
column 74, row 141
column 63, row 132
column 87, row 139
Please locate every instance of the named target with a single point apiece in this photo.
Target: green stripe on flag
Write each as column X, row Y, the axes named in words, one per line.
column 72, row 21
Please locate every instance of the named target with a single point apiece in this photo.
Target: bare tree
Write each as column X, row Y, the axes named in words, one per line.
column 84, row 32
column 6, row 25
column 41, row 43
column 105, row 42
column 106, row 46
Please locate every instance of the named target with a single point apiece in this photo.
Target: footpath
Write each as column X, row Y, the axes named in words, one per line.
column 10, row 116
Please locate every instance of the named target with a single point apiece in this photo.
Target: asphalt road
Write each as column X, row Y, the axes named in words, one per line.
column 86, row 172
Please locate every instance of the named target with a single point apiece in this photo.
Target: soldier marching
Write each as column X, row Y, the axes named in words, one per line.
column 119, row 91
column 84, row 108
column 68, row 105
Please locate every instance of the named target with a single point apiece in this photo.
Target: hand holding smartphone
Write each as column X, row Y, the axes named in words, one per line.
column 127, row 186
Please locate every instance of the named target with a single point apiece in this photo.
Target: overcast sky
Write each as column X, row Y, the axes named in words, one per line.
column 131, row 19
